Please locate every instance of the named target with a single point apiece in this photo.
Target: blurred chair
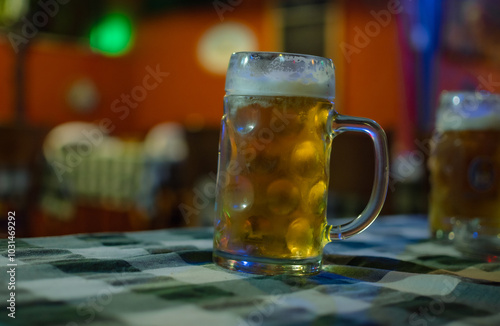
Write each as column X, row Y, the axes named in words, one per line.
column 94, row 182
column 91, row 182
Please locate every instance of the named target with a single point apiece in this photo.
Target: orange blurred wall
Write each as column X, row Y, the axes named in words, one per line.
column 51, row 68
column 54, row 67
column 165, row 44
column 368, row 85
column 371, row 74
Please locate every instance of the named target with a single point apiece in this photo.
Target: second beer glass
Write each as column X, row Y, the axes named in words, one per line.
column 465, row 172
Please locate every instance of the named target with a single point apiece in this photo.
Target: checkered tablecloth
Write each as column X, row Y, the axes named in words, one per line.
column 388, row 275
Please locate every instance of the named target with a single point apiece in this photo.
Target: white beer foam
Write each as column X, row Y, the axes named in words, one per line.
column 287, row 75
column 468, row 111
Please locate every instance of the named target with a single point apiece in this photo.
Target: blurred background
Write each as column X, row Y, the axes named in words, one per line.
column 110, row 109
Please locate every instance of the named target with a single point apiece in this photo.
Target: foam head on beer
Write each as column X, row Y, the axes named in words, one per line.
column 468, row 111
column 257, row 73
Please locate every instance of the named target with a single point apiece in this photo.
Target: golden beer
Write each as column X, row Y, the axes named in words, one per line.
column 273, row 184
column 465, row 178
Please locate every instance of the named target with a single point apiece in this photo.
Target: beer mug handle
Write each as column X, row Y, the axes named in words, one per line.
column 343, row 123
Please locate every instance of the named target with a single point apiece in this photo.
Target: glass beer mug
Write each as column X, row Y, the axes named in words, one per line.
column 273, row 169
column 464, row 167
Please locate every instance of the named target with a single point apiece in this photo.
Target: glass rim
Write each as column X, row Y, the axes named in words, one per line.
column 290, row 54
column 467, row 110
column 448, row 95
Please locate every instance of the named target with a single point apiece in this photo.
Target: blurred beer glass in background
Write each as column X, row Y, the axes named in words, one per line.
column 465, row 172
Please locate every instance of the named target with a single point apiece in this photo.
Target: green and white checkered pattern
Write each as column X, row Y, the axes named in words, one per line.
column 388, row 275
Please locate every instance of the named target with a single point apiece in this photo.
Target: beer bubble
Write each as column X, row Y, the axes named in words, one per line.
column 282, row 197
column 317, row 198
column 305, row 159
column 299, row 238
column 239, row 193
column 246, row 118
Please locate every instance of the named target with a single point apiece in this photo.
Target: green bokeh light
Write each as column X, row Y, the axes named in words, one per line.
column 113, row 35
